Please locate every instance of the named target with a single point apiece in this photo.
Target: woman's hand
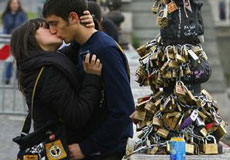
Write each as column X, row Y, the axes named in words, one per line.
column 87, row 19
column 92, row 67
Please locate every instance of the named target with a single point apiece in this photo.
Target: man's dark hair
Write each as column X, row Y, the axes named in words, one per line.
column 62, row 8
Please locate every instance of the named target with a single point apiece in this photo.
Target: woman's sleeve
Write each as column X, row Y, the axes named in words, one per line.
column 72, row 106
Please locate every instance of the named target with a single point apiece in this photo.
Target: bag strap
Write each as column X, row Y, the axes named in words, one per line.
column 29, row 117
column 126, row 60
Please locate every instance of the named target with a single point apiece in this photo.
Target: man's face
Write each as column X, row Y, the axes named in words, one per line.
column 60, row 27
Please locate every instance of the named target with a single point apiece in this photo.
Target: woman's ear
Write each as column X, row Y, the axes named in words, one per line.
column 73, row 18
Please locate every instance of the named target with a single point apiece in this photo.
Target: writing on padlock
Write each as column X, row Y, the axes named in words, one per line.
column 188, row 121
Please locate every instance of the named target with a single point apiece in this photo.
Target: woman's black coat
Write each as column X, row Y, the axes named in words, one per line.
column 59, row 94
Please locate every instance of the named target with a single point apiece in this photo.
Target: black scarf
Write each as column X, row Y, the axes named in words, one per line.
column 38, row 59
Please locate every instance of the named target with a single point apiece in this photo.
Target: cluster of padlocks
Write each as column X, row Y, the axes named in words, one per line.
column 174, row 112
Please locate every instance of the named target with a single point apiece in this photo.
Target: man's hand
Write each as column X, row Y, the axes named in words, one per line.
column 75, row 152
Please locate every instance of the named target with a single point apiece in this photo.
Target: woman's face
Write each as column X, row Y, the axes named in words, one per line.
column 47, row 40
column 14, row 5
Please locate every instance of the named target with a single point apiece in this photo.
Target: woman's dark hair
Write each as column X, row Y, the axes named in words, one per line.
column 23, row 41
column 7, row 9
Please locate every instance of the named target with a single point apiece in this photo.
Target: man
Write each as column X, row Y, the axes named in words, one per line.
column 107, row 131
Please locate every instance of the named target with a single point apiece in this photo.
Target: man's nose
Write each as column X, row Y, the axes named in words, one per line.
column 53, row 30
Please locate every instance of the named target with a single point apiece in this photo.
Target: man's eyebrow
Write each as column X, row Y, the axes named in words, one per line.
column 49, row 22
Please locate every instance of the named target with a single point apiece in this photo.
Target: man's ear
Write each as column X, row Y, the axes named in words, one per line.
column 73, row 18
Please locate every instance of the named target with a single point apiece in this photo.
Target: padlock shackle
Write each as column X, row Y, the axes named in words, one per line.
column 208, row 138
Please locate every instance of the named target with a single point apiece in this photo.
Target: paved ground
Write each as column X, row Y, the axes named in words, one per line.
column 11, row 125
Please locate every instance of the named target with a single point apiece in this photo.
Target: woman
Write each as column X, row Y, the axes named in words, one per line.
column 59, row 95
column 12, row 17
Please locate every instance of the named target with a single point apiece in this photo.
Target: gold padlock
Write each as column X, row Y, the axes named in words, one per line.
column 157, row 122
column 221, row 131
column 164, row 67
column 173, row 64
column 180, row 58
column 149, row 107
column 190, row 148
column 141, row 105
column 155, row 7
column 174, row 73
column 185, row 52
column 163, row 132
column 139, row 115
column 167, row 75
column 152, row 151
column 204, row 132
column 175, row 121
column 179, row 122
column 162, row 19
column 187, row 70
column 190, row 97
column 172, row 7
column 202, row 115
column 142, row 75
column 197, row 50
column 210, row 148
column 142, row 50
column 181, row 74
column 179, row 89
column 159, row 93
column 179, row 107
column 157, row 103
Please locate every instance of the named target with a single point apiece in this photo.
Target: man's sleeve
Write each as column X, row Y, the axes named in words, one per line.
column 119, row 102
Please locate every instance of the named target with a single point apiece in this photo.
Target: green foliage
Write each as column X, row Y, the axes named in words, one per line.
column 32, row 15
column 135, row 41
